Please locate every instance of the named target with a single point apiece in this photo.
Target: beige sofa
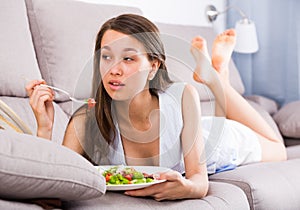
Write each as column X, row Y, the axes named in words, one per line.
column 53, row 40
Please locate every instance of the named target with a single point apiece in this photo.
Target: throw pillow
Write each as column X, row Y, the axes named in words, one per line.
column 288, row 119
column 33, row 168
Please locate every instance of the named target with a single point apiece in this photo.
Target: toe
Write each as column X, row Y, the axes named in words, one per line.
column 198, row 42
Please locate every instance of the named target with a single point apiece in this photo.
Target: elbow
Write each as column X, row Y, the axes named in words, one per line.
column 205, row 189
column 202, row 190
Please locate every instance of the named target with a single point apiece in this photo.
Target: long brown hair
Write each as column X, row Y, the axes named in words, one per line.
column 148, row 34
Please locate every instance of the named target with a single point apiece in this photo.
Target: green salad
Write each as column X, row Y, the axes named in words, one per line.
column 128, row 175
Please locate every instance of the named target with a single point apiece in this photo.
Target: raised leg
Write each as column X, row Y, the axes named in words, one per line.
column 236, row 107
column 206, row 74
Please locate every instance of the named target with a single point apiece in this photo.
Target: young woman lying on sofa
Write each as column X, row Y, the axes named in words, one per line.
column 143, row 118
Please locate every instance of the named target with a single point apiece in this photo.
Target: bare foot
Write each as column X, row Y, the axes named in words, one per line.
column 222, row 50
column 203, row 61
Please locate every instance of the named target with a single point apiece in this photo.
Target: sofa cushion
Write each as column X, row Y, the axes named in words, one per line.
column 32, row 167
column 272, row 185
column 220, row 196
column 288, row 119
column 17, row 60
column 293, row 152
column 8, row 204
column 177, row 40
column 64, row 33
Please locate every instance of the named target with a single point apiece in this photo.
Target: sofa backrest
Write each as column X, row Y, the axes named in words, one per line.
column 17, row 58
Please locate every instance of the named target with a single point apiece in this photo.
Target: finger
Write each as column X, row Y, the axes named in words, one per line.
column 37, row 92
column 50, row 109
column 171, row 176
column 139, row 193
column 30, row 85
column 148, row 191
column 41, row 105
column 162, row 197
column 38, row 98
column 158, row 197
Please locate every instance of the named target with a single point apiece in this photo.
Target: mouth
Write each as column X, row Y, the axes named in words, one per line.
column 116, row 83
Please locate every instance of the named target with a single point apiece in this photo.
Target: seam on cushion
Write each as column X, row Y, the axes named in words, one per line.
column 42, row 60
column 230, row 181
column 225, row 201
column 220, row 198
column 208, row 202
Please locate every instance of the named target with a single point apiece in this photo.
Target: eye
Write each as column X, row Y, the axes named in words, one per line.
column 105, row 57
column 128, row 59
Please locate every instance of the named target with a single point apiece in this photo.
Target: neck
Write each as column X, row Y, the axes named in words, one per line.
column 138, row 109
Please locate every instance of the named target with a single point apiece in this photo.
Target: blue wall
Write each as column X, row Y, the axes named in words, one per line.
column 274, row 70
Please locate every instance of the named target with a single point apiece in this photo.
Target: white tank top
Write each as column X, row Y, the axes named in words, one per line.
column 171, row 123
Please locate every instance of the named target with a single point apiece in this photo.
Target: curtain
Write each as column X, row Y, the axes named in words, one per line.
column 273, row 71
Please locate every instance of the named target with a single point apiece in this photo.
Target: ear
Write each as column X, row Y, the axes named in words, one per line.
column 154, row 67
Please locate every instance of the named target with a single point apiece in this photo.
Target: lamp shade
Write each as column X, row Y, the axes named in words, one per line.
column 246, row 40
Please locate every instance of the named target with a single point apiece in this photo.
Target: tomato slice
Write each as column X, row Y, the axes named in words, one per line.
column 91, row 103
column 107, row 177
column 128, row 176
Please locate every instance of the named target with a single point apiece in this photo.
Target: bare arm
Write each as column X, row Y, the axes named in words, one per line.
column 193, row 145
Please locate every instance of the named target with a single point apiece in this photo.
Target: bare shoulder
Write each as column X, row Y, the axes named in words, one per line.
column 191, row 108
column 75, row 132
column 77, row 121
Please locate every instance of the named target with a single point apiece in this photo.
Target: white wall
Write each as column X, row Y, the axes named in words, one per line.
column 188, row 12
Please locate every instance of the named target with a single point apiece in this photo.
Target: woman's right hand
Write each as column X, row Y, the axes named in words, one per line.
column 40, row 99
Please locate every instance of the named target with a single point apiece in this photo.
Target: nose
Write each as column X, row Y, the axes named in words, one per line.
column 116, row 69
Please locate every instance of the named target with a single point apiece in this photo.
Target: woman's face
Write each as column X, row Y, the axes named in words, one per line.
column 124, row 65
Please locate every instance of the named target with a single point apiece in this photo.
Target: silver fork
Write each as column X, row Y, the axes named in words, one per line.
column 85, row 101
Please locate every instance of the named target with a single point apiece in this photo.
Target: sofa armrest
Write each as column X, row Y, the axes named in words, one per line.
column 268, row 104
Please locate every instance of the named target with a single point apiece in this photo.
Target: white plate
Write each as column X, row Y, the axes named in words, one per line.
column 143, row 169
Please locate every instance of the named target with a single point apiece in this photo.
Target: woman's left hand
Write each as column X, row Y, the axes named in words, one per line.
column 176, row 187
